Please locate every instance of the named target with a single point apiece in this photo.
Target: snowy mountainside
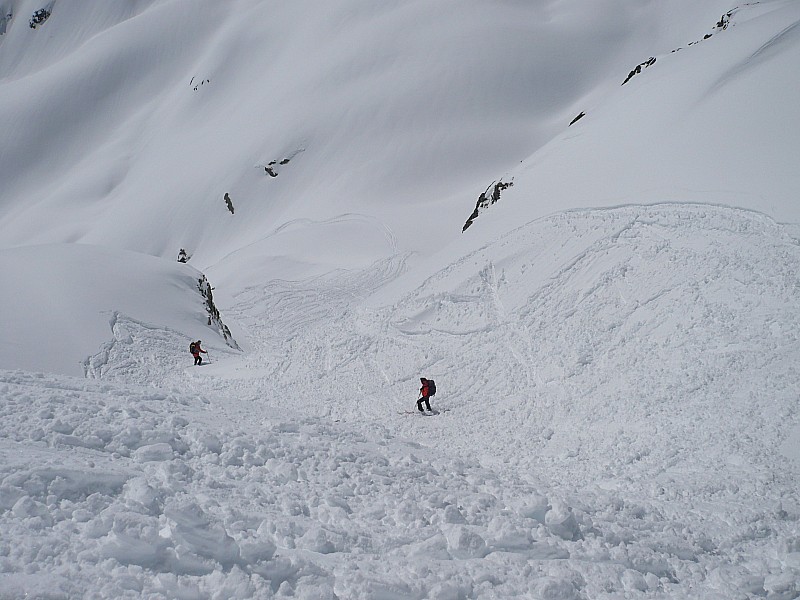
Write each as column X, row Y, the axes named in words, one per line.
column 713, row 121
column 69, row 300
column 120, row 114
column 615, row 339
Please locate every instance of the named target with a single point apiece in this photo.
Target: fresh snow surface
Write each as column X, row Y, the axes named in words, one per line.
column 126, row 123
column 616, row 341
column 725, row 131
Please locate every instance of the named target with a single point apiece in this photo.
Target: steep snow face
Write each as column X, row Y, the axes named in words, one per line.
column 125, row 124
column 713, row 121
column 62, row 303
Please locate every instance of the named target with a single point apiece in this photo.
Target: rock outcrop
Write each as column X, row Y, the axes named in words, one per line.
column 490, row 196
column 214, row 318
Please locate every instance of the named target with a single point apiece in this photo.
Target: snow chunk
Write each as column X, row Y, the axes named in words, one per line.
column 153, row 452
column 561, row 521
column 138, row 492
column 26, row 507
column 633, row 581
column 535, row 508
column 453, row 515
column 194, row 530
column 783, row 586
column 135, row 548
column 319, row 540
column 464, row 543
column 551, row 588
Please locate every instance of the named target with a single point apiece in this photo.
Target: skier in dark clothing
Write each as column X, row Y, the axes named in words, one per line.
column 196, row 349
column 426, row 391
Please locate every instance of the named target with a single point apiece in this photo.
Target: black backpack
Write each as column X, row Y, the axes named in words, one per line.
column 431, row 387
column 191, row 348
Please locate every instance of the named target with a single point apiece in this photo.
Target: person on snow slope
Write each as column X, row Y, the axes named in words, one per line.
column 427, row 390
column 196, row 349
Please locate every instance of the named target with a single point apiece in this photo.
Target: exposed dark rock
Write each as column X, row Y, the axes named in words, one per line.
column 722, row 25
column 272, row 168
column 4, row 21
column 486, row 199
column 213, row 314
column 198, row 85
column 725, row 20
column 649, row 62
column 578, row 118
column 228, row 202
column 40, row 16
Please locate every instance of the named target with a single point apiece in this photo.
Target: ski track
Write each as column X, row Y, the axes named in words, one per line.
column 617, row 386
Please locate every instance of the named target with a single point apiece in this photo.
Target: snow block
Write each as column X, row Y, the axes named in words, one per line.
column 133, row 548
column 633, row 581
column 781, row 586
column 561, row 522
column 552, row 588
column 139, row 493
column 433, row 548
column 9, row 496
column 194, row 530
column 153, row 452
column 27, row 507
column 453, row 515
column 318, row 539
column 535, row 508
column 257, row 550
column 463, row 543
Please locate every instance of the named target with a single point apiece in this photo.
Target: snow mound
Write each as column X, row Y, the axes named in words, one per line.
column 66, row 302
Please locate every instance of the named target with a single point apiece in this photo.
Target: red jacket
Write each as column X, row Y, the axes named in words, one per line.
column 424, row 389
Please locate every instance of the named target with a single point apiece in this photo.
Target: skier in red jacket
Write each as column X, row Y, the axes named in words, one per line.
column 426, row 391
column 196, row 350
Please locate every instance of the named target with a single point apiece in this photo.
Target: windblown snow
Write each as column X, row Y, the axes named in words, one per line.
column 615, row 340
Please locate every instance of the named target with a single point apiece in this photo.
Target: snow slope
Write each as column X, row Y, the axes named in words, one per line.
column 614, row 408
column 615, row 340
column 712, row 122
column 138, row 117
column 68, row 299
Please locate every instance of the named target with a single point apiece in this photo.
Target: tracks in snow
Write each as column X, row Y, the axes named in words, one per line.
column 641, row 362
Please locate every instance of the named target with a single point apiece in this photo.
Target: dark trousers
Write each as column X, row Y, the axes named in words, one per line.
column 198, row 360
column 427, row 403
